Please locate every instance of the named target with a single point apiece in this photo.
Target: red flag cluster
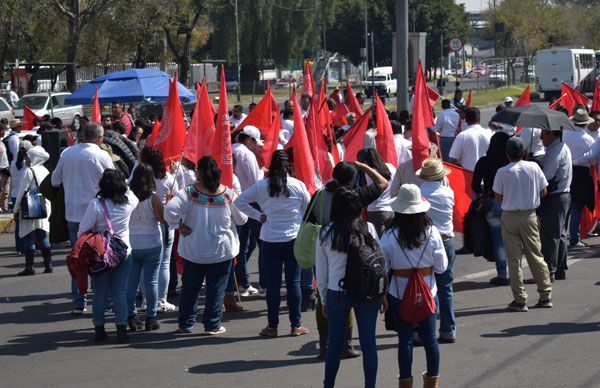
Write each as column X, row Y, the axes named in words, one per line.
column 202, row 128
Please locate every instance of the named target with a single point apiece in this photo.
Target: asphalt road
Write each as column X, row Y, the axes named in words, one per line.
column 42, row 344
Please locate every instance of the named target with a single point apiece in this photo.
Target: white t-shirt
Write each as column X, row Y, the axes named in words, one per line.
column 235, row 122
column 382, row 204
column 470, row 145
column 532, row 140
column 578, row 141
column 447, row 122
column 520, row 184
column 286, row 131
column 403, row 148
column 246, row 166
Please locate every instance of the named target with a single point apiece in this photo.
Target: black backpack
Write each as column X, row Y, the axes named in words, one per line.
column 366, row 277
column 9, row 154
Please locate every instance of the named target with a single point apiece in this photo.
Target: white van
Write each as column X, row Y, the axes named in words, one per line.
column 575, row 67
column 384, row 79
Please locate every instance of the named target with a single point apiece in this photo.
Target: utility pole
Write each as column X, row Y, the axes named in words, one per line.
column 366, row 41
column 373, row 67
column 237, row 53
column 402, row 54
column 441, row 55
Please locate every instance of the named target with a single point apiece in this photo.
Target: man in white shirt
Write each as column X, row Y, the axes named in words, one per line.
column 532, row 140
column 441, row 200
column 14, row 97
column 446, row 125
column 582, row 185
column 351, row 120
column 237, row 115
column 287, row 129
column 470, row 144
column 403, row 146
column 554, row 207
column 248, row 173
column 13, row 136
column 508, row 101
column 79, row 170
column 518, row 187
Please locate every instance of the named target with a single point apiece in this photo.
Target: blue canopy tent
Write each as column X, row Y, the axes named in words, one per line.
column 133, row 85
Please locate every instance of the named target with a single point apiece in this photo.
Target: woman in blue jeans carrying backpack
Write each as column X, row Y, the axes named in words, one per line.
column 331, row 258
column 413, row 242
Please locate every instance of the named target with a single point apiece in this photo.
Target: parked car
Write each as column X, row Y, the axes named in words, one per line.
column 286, row 82
column 6, row 111
column 42, row 104
column 478, row 71
column 383, row 79
column 497, row 78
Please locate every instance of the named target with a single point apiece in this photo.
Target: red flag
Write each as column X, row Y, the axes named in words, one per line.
column 70, row 135
column 354, row 139
column 202, row 128
column 573, row 97
column 460, row 182
column 524, row 100
column 96, row 116
column 265, row 116
column 155, row 128
column 589, row 217
column 303, row 165
column 222, row 141
column 339, row 115
column 557, row 102
column 422, row 119
column 353, row 104
column 28, row 118
column 596, row 100
column 385, row 137
column 326, row 125
column 433, row 96
column 170, row 137
column 468, row 104
column 308, row 87
column 316, row 141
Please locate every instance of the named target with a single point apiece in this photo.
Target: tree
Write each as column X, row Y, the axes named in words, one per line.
column 79, row 14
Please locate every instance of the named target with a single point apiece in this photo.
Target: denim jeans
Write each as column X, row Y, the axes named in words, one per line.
column 164, row 273
column 79, row 301
column 306, row 278
column 493, row 219
column 39, row 235
column 18, row 240
column 173, row 277
column 444, row 294
column 446, row 145
column 339, row 305
column 575, row 213
column 148, row 261
column 191, row 282
column 276, row 255
column 248, row 235
column 426, row 331
column 111, row 284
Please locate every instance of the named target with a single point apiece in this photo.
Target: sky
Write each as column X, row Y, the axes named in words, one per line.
column 475, row 5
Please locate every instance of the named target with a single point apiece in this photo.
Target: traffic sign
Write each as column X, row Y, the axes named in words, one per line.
column 455, row 44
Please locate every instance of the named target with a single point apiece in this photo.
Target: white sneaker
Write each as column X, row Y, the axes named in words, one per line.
column 248, row 291
column 79, row 311
column 165, row 306
column 142, row 306
column 219, row 330
column 262, row 292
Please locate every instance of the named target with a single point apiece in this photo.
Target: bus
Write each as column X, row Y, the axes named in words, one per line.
column 575, row 67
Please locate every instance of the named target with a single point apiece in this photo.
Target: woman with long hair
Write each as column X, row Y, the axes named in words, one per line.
column 17, row 170
column 146, row 246
column 165, row 187
column 208, row 242
column 331, row 257
column 119, row 202
column 483, row 180
column 413, row 242
column 283, row 201
column 31, row 231
column 379, row 211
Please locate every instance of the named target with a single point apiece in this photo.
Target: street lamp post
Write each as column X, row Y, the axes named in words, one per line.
column 237, row 53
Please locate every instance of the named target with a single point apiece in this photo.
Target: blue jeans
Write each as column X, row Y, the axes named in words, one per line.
column 426, row 330
column 338, row 306
column 79, row 301
column 191, row 282
column 575, row 213
column 39, row 235
column 493, row 219
column 147, row 260
column 446, row 145
column 111, row 285
column 276, row 255
column 444, row 294
column 248, row 234
column 164, row 273
column 306, row 278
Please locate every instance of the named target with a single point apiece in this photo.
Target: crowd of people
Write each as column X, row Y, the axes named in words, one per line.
column 530, row 188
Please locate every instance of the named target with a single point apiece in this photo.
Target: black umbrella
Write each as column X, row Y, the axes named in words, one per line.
column 533, row 116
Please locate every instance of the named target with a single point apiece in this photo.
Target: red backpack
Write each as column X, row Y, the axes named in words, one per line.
column 417, row 302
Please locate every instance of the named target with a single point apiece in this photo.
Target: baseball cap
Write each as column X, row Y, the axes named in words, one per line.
column 254, row 133
column 508, row 99
column 515, row 146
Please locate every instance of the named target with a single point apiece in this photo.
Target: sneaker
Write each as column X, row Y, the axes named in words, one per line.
column 109, row 311
column 78, row 311
column 442, row 340
column 217, row 331
column 183, row 331
column 142, row 306
column 298, row 331
column 166, row 307
column 270, row 332
column 578, row 244
column 262, row 292
column 544, row 304
column 518, row 307
column 560, row 275
column 498, row 281
column 247, row 291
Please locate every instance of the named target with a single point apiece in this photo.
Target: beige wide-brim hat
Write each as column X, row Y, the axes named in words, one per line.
column 432, row 169
column 14, row 123
column 581, row 117
column 409, row 200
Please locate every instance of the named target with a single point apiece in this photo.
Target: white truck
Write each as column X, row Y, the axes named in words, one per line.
column 576, row 67
column 383, row 79
column 53, row 105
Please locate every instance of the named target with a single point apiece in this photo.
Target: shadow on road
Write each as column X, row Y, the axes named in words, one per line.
column 249, row 366
column 470, row 286
column 552, row 328
column 27, row 344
